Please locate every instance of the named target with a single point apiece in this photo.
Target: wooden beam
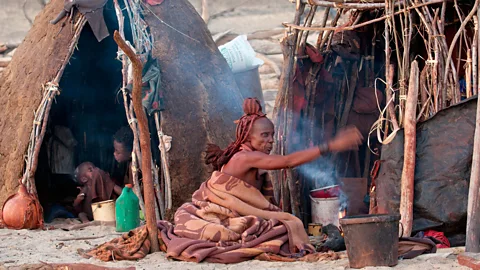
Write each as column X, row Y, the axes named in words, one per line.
column 148, row 188
column 473, row 211
column 408, row 172
column 352, row 4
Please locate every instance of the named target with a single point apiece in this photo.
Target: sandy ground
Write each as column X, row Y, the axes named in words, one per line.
column 30, row 247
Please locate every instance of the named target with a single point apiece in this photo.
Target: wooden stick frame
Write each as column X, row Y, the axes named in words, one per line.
column 437, row 84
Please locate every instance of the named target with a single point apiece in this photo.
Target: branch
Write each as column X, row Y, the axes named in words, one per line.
column 348, row 28
column 148, row 187
column 457, row 35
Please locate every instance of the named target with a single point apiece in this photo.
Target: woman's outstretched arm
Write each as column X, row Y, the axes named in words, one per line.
column 347, row 139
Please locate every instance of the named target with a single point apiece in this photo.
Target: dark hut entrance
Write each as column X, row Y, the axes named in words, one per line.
column 83, row 120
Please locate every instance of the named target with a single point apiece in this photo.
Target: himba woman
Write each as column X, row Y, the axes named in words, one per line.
column 229, row 219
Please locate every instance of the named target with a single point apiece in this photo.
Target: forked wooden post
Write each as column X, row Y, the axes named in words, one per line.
column 148, row 188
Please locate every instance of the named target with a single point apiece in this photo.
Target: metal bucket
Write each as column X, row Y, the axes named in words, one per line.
column 325, row 210
column 371, row 240
column 104, row 211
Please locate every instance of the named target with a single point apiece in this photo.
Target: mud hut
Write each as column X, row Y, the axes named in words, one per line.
column 63, row 76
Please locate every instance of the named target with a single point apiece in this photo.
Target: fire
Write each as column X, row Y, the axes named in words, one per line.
column 341, row 214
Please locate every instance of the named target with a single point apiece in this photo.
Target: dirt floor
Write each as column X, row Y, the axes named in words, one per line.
column 31, row 247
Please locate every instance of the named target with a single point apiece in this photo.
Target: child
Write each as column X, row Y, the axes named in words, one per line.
column 123, row 146
column 96, row 186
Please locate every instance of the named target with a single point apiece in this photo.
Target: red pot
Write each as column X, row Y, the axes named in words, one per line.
column 22, row 211
column 325, row 192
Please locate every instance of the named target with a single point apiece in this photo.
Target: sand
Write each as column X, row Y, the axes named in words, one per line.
column 53, row 246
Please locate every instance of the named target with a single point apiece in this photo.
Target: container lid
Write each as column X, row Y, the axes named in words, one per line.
column 369, row 219
column 129, row 185
column 324, row 188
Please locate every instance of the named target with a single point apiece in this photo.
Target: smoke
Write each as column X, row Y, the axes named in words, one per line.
column 321, row 172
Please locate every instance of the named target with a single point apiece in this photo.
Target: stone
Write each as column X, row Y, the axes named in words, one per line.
column 270, row 83
column 265, row 69
column 270, row 95
column 265, row 46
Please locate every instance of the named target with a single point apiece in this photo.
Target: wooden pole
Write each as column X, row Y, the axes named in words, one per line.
column 326, row 12
column 475, row 57
column 468, row 74
column 473, row 211
column 391, row 106
column 148, row 188
column 351, row 5
column 165, row 169
column 408, row 173
column 389, row 70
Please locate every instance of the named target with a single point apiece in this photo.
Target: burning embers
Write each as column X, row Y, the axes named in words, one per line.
column 341, row 214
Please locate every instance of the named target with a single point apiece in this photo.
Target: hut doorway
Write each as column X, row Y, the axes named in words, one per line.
column 82, row 121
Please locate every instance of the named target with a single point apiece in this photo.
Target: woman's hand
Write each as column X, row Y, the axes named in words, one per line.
column 346, row 139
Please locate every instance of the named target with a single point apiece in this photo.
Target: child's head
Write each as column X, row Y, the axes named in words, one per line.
column 84, row 172
column 123, row 144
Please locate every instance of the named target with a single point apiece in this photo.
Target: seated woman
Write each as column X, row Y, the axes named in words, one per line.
column 229, row 219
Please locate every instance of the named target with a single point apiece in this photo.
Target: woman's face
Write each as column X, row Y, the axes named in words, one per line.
column 261, row 135
column 121, row 153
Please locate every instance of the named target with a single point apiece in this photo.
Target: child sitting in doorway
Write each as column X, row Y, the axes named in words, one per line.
column 96, row 186
column 123, row 146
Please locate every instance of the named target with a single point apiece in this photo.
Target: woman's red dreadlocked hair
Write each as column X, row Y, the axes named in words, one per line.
column 217, row 157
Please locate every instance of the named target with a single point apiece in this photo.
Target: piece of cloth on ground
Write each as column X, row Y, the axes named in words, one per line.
column 411, row 247
column 228, row 221
column 438, row 237
column 132, row 245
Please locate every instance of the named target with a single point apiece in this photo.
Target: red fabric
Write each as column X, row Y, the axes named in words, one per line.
column 314, row 54
column 440, row 237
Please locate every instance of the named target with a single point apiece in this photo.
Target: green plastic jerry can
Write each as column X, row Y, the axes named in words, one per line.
column 126, row 210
